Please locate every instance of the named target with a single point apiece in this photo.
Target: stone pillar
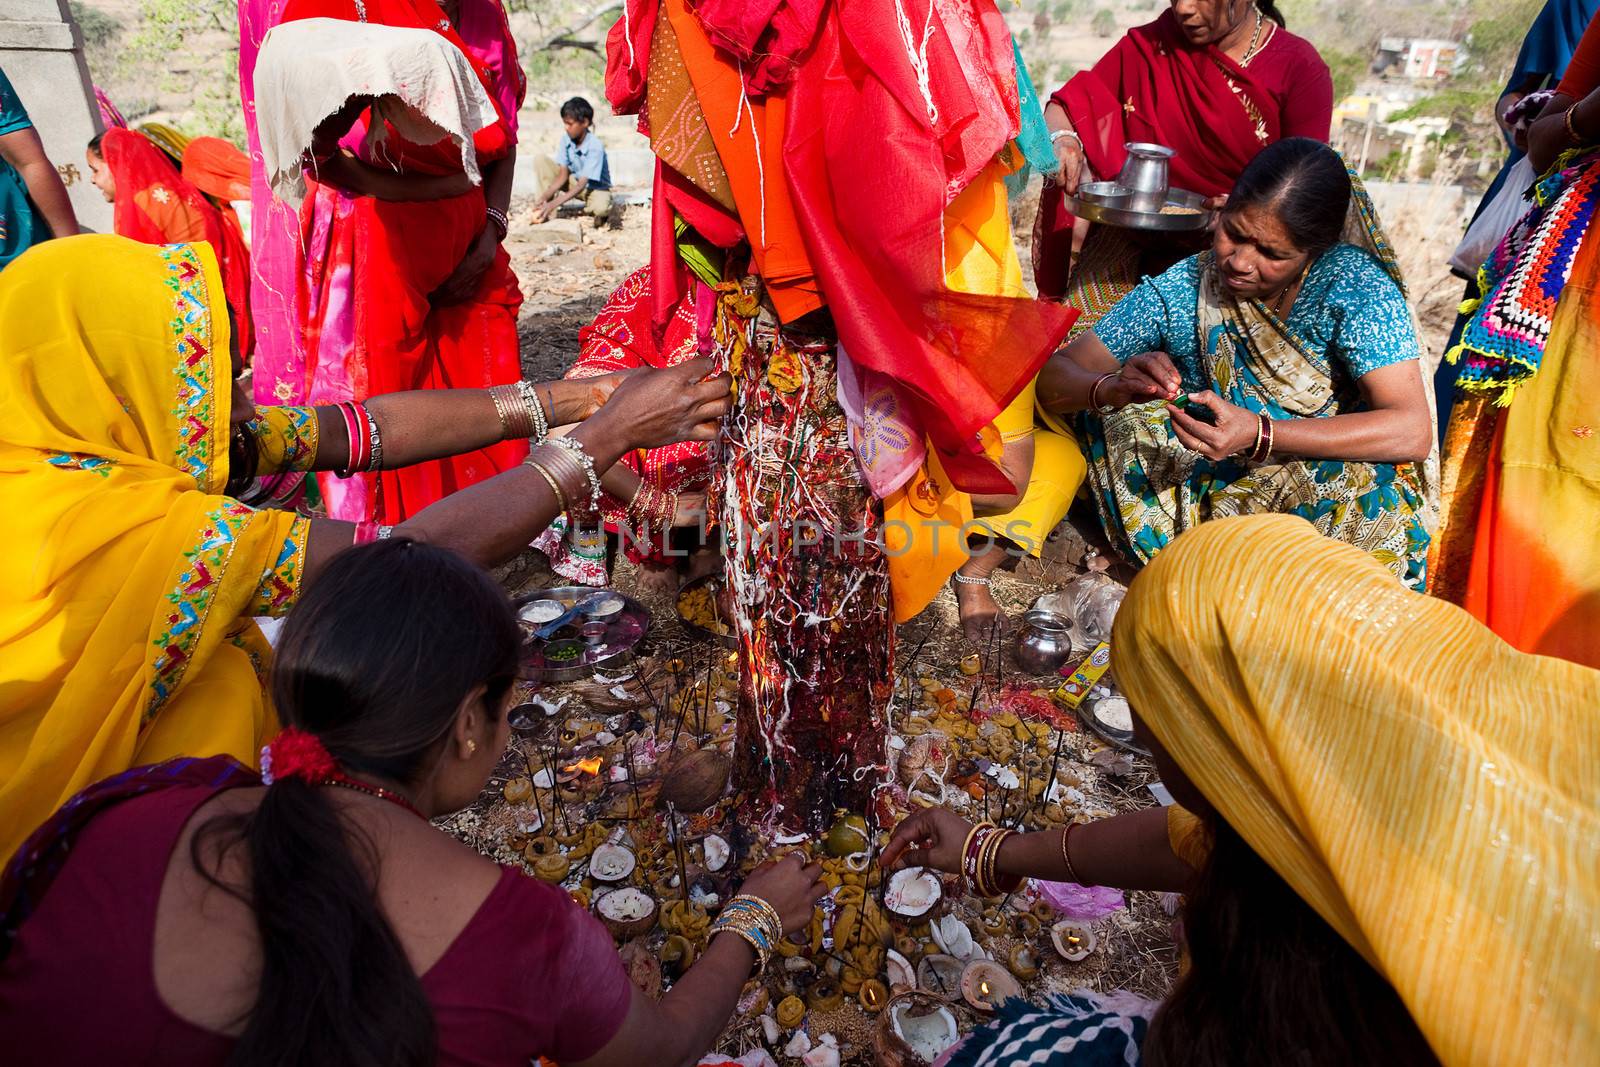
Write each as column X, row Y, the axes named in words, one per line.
column 41, row 52
column 810, row 584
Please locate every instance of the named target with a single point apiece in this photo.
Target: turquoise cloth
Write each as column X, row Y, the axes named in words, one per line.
column 1034, row 136
column 20, row 225
column 1349, row 309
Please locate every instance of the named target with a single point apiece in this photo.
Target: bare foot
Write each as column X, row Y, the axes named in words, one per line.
column 657, row 580
column 701, row 562
column 981, row 614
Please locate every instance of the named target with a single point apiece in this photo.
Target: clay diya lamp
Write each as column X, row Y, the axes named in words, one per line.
column 986, row 985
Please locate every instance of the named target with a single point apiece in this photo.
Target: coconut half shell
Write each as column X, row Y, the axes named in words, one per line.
column 940, row 975
column 901, row 975
column 611, row 863
column 913, row 893
column 627, row 913
column 1073, row 941
column 717, row 852
column 913, row 1031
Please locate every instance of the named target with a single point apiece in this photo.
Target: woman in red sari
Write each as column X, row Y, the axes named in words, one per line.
column 1215, row 80
column 405, row 284
column 153, row 203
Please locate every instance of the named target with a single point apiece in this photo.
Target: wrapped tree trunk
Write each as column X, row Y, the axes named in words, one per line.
column 809, row 580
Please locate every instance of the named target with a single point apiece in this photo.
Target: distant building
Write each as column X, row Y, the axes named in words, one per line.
column 1417, row 58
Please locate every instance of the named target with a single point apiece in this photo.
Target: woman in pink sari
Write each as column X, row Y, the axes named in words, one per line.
column 1215, row 80
column 375, row 249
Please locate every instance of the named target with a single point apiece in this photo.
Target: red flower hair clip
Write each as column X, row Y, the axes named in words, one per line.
column 296, row 754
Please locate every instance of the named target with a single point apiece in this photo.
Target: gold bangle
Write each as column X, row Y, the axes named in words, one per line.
column 1572, row 133
column 1066, row 853
column 564, row 466
column 555, row 487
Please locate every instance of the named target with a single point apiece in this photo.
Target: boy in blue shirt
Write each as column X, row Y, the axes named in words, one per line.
column 579, row 169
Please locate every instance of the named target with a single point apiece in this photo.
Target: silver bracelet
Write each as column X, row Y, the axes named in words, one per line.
column 530, row 396
column 498, row 217
column 376, row 462
column 1056, row 135
column 586, row 463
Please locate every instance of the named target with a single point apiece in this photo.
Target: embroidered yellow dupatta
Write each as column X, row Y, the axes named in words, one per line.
column 1432, row 792
column 127, row 580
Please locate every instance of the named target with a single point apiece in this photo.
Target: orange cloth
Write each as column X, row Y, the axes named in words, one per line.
column 1534, row 572
column 748, row 133
column 217, row 168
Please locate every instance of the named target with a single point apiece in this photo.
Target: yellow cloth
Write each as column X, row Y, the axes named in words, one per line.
column 128, row 581
column 1058, row 470
column 980, row 257
column 1432, row 792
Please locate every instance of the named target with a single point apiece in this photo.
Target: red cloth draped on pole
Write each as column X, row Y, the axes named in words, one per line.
column 1154, row 86
column 155, row 205
column 371, row 266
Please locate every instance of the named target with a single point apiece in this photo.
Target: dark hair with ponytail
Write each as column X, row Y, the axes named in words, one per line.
column 1270, row 10
column 1305, row 183
column 375, row 661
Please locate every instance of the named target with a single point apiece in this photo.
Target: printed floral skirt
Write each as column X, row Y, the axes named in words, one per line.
column 1149, row 489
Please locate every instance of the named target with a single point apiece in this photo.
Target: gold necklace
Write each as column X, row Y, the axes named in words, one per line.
column 1277, row 303
column 1255, row 39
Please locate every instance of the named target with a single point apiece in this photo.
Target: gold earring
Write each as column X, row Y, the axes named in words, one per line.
column 472, row 747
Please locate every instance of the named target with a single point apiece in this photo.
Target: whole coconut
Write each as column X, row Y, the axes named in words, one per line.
column 696, row 781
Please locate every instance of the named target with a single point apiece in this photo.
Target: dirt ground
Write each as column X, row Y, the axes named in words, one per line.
column 568, row 268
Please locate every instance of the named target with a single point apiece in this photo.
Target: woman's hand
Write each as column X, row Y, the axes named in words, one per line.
column 1070, row 161
column 931, row 838
column 660, row 407
column 1235, row 428
column 463, row 281
column 1146, row 376
column 600, row 388
column 791, row 886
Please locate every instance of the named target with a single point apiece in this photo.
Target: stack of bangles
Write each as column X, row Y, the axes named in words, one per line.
column 1261, row 451
column 568, row 470
column 520, row 410
column 978, row 857
column 754, row 920
column 366, row 447
column 653, row 508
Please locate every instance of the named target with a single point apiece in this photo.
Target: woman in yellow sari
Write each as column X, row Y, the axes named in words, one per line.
column 132, row 569
column 1382, row 865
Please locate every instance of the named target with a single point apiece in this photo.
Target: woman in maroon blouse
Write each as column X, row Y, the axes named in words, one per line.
column 188, row 913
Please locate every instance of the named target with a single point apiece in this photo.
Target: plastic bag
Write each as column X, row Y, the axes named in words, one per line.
column 1090, row 601
column 1495, row 219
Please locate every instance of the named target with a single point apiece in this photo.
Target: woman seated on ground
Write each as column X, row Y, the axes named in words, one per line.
column 133, row 568
column 1355, row 842
column 319, row 918
column 1300, row 361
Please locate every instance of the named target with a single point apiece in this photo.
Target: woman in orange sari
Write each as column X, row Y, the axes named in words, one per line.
column 154, row 204
column 404, row 283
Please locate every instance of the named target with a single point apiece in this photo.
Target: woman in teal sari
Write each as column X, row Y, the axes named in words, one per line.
column 1276, row 372
column 33, row 202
